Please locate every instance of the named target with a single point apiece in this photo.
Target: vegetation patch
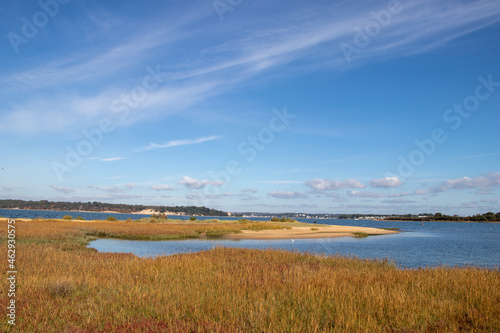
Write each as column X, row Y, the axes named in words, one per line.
column 67, row 287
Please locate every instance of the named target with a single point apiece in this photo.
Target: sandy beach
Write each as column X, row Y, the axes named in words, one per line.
column 308, row 232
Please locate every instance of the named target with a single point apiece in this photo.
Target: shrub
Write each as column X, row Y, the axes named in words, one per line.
column 162, row 216
column 111, row 218
column 79, row 218
column 275, row 219
column 314, row 229
column 67, row 217
column 192, row 218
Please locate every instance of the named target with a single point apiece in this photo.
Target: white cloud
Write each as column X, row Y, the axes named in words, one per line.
column 362, row 194
column 62, row 189
column 491, row 201
column 110, row 197
column 249, row 197
column 397, row 195
column 163, row 187
column 484, row 191
column 199, row 196
column 491, row 179
column 326, row 184
column 192, row 183
column 421, row 191
column 287, row 195
column 387, row 182
column 336, row 197
column 176, row 143
column 249, row 190
column 111, row 189
column 398, row 201
column 281, row 182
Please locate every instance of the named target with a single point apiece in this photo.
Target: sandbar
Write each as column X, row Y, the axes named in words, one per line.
column 308, row 232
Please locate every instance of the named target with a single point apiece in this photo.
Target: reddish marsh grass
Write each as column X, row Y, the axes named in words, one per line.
column 65, row 287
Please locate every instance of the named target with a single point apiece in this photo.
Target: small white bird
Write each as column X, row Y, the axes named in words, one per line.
column 293, row 240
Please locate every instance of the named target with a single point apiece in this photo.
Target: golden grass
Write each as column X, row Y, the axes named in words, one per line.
column 65, row 287
column 42, row 230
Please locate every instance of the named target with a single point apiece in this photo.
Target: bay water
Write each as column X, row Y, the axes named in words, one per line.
column 428, row 245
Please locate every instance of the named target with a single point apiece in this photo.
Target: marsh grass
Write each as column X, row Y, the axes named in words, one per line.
column 60, row 289
column 66, row 287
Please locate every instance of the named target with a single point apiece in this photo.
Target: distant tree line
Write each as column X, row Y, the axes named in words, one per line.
column 101, row 207
column 486, row 217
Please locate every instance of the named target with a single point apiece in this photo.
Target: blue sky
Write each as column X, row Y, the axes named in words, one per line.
column 317, row 106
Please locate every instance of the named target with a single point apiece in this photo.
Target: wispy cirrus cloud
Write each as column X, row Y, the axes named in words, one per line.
column 313, row 38
column 112, row 159
column 177, row 143
column 478, row 156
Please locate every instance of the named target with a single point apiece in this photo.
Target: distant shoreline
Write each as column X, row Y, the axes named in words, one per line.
column 72, row 211
column 445, row 221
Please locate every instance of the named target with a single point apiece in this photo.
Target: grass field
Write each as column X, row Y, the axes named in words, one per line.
column 65, row 287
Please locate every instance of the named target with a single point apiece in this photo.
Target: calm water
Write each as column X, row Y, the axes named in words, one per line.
column 434, row 243
column 49, row 214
